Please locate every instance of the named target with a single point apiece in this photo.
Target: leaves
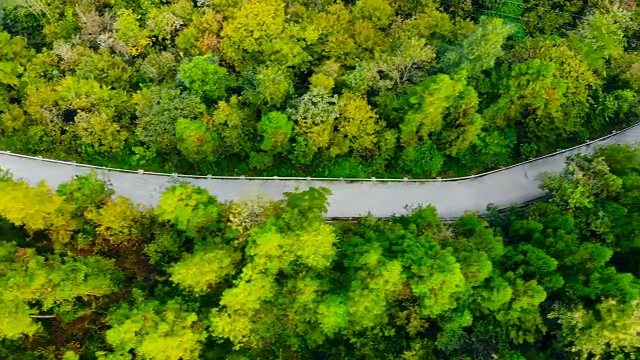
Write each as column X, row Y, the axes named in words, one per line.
column 276, row 128
column 205, row 78
column 189, row 208
column 258, row 30
column 384, row 88
column 261, row 278
column 35, row 208
column 443, row 109
column 33, row 284
column 158, row 110
column 479, row 50
column 465, row 87
column 120, row 224
column 612, row 328
column 209, row 265
column 533, row 95
column 195, row 141
column 156, row 331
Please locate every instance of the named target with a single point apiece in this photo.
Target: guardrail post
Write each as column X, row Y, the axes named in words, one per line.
column 209, row 176
column 439, row 179
column 405, row 179
column 243, row 177
column 140, row 172
column 308, row 178
column 373, row 179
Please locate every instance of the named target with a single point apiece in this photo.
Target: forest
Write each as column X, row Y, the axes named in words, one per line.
column 86, row 275
column 354, row 88
column 360, row 88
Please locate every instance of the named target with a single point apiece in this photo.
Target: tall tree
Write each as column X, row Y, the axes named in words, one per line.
column 153, row 330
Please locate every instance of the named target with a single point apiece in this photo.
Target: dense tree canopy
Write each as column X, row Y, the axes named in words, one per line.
column 85, row 275
column 384, row 88
column 360, row 88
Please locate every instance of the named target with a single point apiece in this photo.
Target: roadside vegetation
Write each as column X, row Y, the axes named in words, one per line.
column 385, row 88
column 85, row 275
column 361, row 88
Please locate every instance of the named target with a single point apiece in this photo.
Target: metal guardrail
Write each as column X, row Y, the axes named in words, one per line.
column 175, row 175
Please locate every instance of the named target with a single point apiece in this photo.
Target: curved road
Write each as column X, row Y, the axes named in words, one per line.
column 350, row 198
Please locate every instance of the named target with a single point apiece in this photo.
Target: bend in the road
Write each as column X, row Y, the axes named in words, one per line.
column 350, row 197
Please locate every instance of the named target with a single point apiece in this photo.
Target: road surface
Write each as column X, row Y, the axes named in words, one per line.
column 350, row 198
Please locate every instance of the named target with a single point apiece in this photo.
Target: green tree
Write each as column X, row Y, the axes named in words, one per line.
column 154, row 330
column 538, row 20
column 164, row 22
column 481, row 48
column 285, row 260
column 493, row 148
column 190, row 209
column 613, row 108
column 314, row 115
column 579, row 80
column 530, row 93
column 268, row 86
column 201, row 35
column 195, row 142
column 85, row 193
column 105, row 68
column 158, row 68
column 610, row 329
column 14, row 55
column 423, row 159
column 584, row 180
column 235, row 125
column 120, row 224
column 600, row 36
column 258, row 32
column 100, row 133
column 443, row 111
column 392, row 71
column 81, row 106
column 209, row 265
column 34, row 208
column 130, row 33
column 276, row 128
column 378, row 12
column 158, row 110
column 357, row 126
column 64, row 288
column 204, row 77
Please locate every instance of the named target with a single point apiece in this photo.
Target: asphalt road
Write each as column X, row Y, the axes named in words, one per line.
column 452, row 197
